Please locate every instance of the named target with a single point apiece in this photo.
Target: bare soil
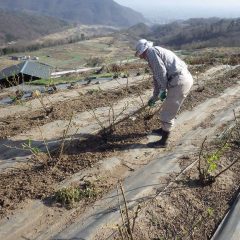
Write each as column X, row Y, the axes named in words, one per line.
column 187, row 209
column 11, row 126
column 38, row 180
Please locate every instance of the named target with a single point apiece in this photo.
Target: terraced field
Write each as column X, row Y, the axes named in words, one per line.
column 75, row 164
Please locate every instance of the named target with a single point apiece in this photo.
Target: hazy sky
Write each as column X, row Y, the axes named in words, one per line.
column 185, row 8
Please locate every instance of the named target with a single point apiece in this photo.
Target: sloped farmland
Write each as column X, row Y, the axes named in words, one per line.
column 75, row 165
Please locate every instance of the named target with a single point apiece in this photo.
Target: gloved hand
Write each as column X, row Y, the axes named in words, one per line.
column 151, row 102
column 162, row 95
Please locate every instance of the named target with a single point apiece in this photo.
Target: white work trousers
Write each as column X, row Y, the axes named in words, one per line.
column 178, row 89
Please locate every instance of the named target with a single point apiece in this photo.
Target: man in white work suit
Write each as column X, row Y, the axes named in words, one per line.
column 172, row 82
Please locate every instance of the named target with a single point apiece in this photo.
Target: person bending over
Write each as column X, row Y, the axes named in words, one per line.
column 171, row 81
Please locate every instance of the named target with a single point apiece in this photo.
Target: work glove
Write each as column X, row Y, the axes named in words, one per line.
column 151, row 102
column 162, row 95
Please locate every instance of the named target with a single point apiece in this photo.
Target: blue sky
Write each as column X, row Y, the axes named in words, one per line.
column 185, row 8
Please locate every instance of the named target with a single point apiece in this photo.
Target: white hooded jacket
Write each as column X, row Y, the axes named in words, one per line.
column 165, row 65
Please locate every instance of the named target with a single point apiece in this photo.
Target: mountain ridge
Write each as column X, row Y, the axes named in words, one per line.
column 16, row 26
column 192, row 33
column 106, row 12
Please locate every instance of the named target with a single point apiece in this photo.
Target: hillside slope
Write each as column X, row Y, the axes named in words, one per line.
column 193, row 33
column 202, row 33
column 16, row 26
column 105, row 12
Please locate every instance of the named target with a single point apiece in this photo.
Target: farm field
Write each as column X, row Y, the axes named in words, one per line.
column 74, row 164
column 100, row 50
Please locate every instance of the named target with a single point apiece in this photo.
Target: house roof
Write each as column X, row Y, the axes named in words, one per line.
column 35, row 69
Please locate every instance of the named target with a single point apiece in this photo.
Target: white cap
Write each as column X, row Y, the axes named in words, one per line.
column 141, row 46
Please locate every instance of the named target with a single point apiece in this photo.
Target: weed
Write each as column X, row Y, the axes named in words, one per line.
column 16, row 101
column 211, row 160
column 35, row 151
column 92, row 91
column 69, row 196
column 28, row 146
column 210, row 163
column 210, row 211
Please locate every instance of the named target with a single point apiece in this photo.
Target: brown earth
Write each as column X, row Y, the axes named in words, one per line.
column 35, row 180
column 11, row 125
column 187, row 209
